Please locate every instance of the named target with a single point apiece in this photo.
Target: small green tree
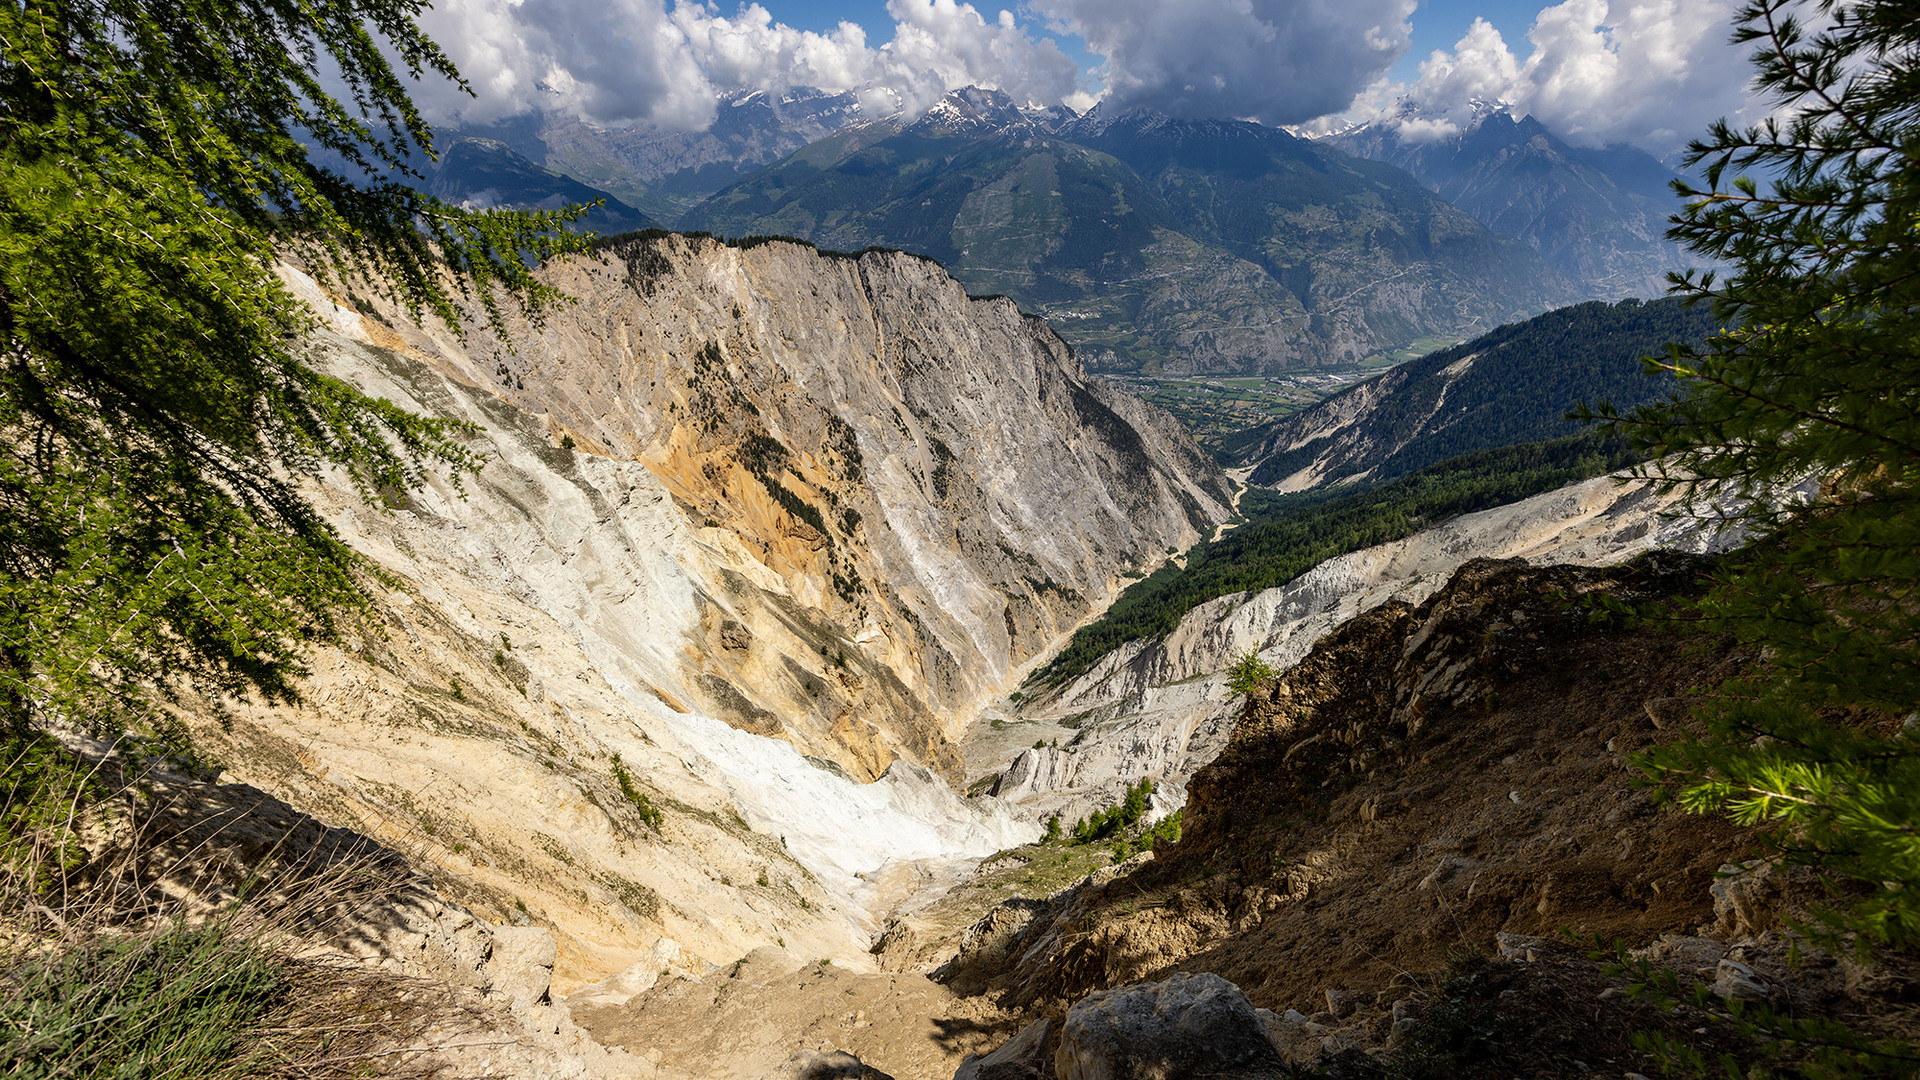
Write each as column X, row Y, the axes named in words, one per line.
column 157, row 411
column 1248, row 672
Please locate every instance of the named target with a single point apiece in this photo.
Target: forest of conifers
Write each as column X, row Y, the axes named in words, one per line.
column 1286, row 535
column 1522, row 381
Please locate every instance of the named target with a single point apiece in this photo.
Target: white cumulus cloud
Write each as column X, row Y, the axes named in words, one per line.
column 614, row 61
column 752, row 51
column 1647, row 72
column 618, row 62
column 944, row 44
column 1277, row 61
column 1650, row 73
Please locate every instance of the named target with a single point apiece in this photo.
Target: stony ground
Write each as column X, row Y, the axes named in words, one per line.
column 745, row 1020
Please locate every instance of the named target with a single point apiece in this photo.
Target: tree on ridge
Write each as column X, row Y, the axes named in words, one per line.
column 1817, row 373
column 156, row 410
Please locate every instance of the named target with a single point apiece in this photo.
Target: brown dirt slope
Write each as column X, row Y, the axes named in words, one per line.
column 1425, row 778
column 741, row 1023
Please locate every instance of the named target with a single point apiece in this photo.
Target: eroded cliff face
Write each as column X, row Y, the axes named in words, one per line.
column 695, row 675
column 920, row 488
column 1426, row 777
column 1408, row 849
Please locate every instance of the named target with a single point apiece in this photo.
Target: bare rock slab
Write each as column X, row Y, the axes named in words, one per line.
column 1020, row 1059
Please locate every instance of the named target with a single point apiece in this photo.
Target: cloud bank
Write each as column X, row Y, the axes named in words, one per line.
column 1647, row 72
column 1650, row 73
column 619, row 62
column 1276, row 61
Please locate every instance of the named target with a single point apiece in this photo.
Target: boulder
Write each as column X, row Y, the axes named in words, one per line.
column 521, row 963
column 1749, row 897
column 1736, row 981
column 1189, row 1025
column 665, row 958
column 1019, row 1059
column 825, row 1065
column 1293, row 1034
column 1684, row 953
column 1519, row 947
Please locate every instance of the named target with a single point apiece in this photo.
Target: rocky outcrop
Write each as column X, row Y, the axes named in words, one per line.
column 1426, row 777
column 1197, row 1025
column 1160, row 708
column 929, row 487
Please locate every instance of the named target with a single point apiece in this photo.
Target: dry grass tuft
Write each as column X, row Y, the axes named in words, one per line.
column 147, row 928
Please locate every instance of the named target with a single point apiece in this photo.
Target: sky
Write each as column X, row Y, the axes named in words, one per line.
column 1646, row 73
column 1436, row 25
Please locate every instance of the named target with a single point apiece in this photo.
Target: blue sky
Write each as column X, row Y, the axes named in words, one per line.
column 1437, row 25
column 1651, row 73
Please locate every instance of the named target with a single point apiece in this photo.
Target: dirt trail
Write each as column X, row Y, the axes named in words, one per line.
column 743, row 1023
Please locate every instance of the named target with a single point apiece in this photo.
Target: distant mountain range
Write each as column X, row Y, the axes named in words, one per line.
column 1154, row 244
column 1599, row 217
column 666, row 172
column 487, row 173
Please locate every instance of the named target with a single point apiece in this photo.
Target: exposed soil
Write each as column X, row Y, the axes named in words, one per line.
column 1424, row 779
column 743, row 1023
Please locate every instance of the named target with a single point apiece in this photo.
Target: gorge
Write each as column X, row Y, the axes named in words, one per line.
column 852, row 521
column 694, row 669
column 439, row 641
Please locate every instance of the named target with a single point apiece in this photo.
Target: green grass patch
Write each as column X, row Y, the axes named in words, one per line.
column 181, row 1003
column 649, row 813
column 98, row 981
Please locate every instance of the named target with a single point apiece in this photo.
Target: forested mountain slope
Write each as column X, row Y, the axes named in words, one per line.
column 1599, row 217
column 1514, row 385
column 486, row 173
column 1289, row 535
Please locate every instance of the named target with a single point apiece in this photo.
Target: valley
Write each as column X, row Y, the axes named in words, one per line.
column 703, row 549
column 1216, row 409
column 1158, row 247
column 737, row 680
